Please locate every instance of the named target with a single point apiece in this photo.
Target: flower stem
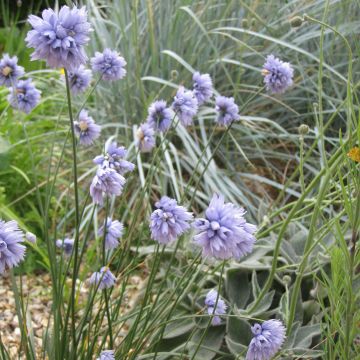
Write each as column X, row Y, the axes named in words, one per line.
column 77, row 213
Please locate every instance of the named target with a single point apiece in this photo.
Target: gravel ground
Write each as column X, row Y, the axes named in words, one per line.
column 37, row 292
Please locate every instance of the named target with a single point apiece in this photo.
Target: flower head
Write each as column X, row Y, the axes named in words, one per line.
column 24, row 96
column 185, row 105
column 10, row 71
column 224, row 233
column 214, row 307
column 59, row 38
column 106, row 182
column 146, row 137
column 30, row 237
column 12, row 252
column 86, row 129
column 107, row 355
column 227, row 110
column 354, row 154
column 104, row 278
column 267, row 341
column 114, row 158
column 278, row 75
column 159, row 116
column 79, row 79
column 66, row 245
column 109, row 64
column 169, row 220
column 203, row 87
column 114, row 231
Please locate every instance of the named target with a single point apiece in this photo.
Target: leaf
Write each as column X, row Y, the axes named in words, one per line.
column 239, row 330
column 178, row 327
column 237, row 287
column 305, row 335
column 234, row 347
column 263, row 305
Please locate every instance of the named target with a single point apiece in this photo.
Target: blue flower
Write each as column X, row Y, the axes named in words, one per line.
column 30, row 237
column 227, row 110
column 224, row 233
column 86, row 129
column 12, row 252
column 104, row 278
column 278, row 75
column 24, row 96
column 267, row 341
column 114, row 158
column 10, row 71
column 169, row 220
column 107, row 355
column 203, row 87
column 185, row 105
column 109, row 64
column 106, row 182
column 79, row 79
column 66, row 245
column 219, row 309
column 146, row 137
column 114, row 231
column 59, row 38
column 159, row 116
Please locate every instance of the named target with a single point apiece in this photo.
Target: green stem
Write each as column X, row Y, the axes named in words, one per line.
column 77, row 213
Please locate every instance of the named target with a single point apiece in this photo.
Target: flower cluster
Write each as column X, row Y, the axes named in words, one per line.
column 86, row 129
column 24, row 96
column 159, row 116
column 215, row 306
column 227, row 110
column 66, row 245
column 59, row 38
column 224, row 233
column 12, row 252
column 79, row 79
column 107, row 355
column 145, row 138
column 203, row 87
column 267, row 341
column 10, row 71
column 104, row 279
column 169, row 220
column 113, row 232
column 185, row 105
column 278, row 75
column 109, row 64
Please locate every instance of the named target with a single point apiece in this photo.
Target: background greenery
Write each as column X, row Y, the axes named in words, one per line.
column 307, row 208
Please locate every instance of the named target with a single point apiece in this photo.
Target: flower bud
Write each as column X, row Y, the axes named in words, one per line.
column 253, row 22
column 245, row 23
column 296, row 21
column 286, row 280
column 303, row 129
column 174, row 74
column 30, row 237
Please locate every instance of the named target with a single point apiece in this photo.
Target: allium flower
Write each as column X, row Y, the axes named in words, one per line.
column 159, row 116
column 107, row 355
column 66, row 245
column 114, row 231
column 146, row 137
column 10, row 71
column 24, row 96
column 79, row 79
column 86, row 129
column 104, row 278
column 59, row 38
column 109, row 64
column 227, row 110
column 169, row 220
column 106, row 182
column 11, row 250
column 219, row 309
column 267, row 341
column 278, row 75
column 185, row 105
column 114, row 158
column 224, row 233
column 203, row 87
column 30, row 237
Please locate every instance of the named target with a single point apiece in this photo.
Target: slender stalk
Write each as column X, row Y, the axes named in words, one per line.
column 77, row 213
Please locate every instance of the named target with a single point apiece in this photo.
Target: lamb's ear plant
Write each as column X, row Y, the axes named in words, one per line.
column 146, row 201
